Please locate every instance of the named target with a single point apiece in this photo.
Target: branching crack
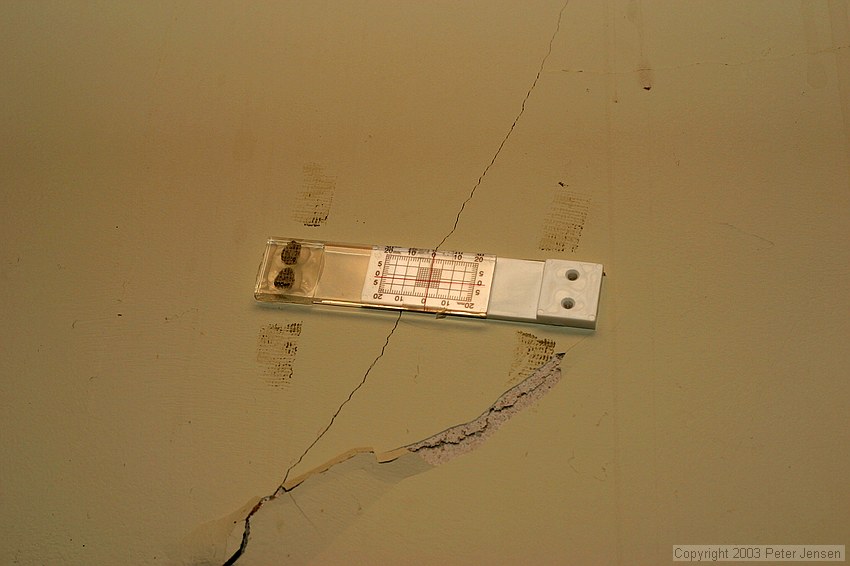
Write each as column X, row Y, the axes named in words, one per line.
column 438, row 448
column 510, row 130
column 506, row 405
column 344, row 403
column 482, row 422
column 281, row 487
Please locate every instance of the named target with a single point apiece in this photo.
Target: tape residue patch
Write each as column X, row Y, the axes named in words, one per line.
column 531, row 352
column 276, row 348
column 565, row 221
column 313, row 201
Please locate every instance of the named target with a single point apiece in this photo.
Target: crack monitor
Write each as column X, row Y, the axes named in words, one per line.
column 552, row 291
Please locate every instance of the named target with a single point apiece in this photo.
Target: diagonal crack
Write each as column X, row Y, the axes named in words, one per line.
column 460, row 439
column 344, row 403
column 437, row 448
column 481, row 424
column 510, row 130
column 281, row 489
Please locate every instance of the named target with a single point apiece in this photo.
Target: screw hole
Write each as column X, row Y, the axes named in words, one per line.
column 568, row 303
column 572, row 274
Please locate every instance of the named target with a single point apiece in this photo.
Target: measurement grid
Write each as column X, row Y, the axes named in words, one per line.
column 428, row 277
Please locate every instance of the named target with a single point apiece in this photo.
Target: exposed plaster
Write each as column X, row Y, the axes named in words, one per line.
column 432, row 451
column 344, row 403
column 465, row 437
column 282, row 487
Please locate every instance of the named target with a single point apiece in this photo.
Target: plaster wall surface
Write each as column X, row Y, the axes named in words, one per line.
column 699, row 150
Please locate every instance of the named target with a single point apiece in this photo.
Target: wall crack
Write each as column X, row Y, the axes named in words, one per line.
column 463, row 438
column 510, row 130
column 281, row 489
column 432, row 451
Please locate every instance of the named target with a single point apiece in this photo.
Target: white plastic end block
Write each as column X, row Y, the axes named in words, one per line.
column 515, row 289
column 569, row 293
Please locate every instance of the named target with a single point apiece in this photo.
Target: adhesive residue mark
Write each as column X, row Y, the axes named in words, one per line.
column 276, row 348
column 313, row 201
column 565, row 221
column 531, row 352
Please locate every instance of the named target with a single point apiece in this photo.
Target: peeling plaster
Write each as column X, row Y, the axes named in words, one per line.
column 297, row 526
column 322, row 501
column 285, row 484
column 206, row 545
column 463, row 438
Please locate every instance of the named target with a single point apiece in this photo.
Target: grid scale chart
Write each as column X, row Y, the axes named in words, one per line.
column 426, row 279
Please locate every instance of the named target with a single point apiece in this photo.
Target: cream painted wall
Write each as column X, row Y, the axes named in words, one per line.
column 149, row 149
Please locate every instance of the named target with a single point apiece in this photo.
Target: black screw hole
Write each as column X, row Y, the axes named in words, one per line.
column 568, row 303
column 572, row 274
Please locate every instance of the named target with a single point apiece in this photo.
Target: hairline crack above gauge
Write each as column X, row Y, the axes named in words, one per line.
column 552, row 291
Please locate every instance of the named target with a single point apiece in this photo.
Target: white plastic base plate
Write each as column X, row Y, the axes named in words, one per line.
column 569, row 294
column 556, row 291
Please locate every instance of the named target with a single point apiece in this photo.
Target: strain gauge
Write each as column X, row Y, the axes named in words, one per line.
column 552, row 291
